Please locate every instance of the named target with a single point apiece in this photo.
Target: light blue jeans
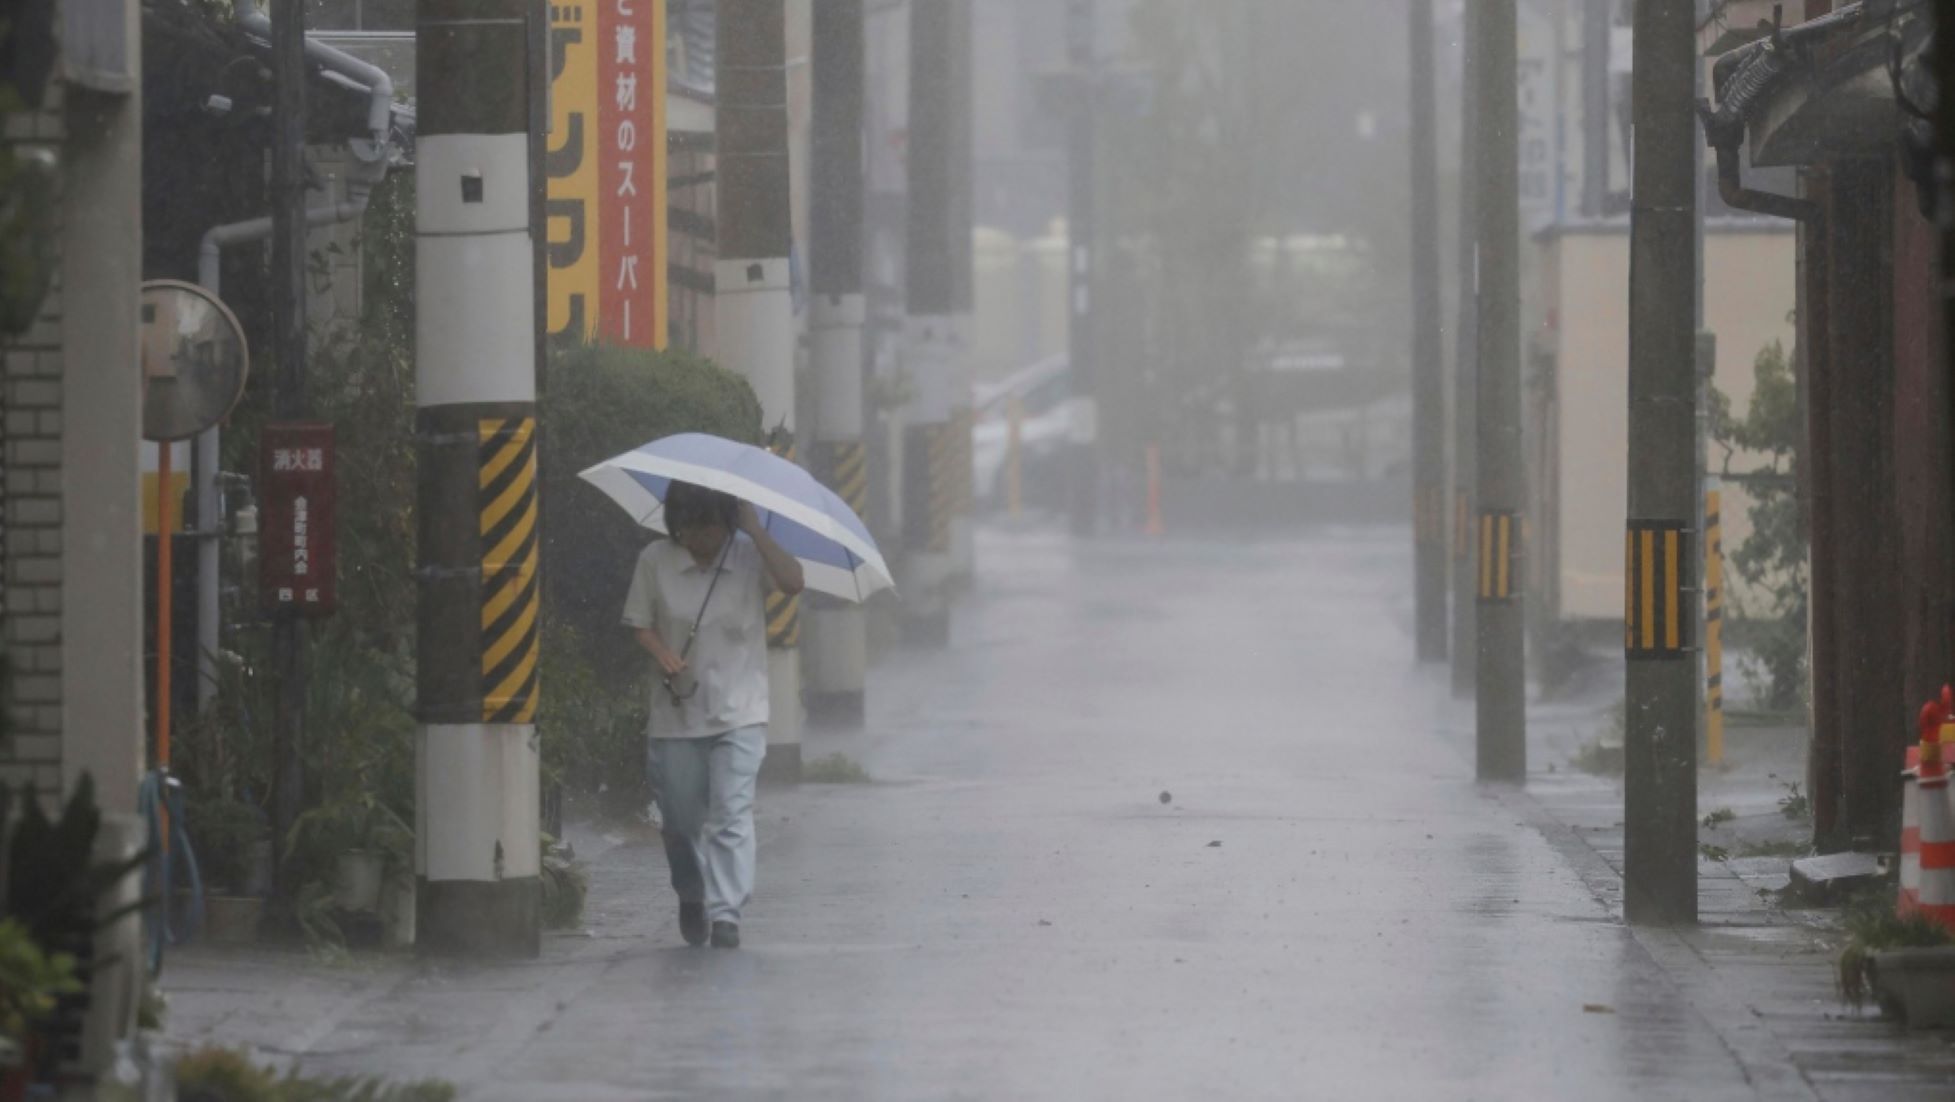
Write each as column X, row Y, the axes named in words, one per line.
column 705, row 793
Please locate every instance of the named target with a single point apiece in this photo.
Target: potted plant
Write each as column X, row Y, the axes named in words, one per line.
column 226, row 835
column 1907, row 964
column 58, row 896
column 365, row 839
column 1920, row 981
column 32, row 982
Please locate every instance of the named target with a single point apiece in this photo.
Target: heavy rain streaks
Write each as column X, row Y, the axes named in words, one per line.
column 975, row 549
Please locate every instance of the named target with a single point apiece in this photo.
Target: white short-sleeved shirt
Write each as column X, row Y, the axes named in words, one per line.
column 728, row 657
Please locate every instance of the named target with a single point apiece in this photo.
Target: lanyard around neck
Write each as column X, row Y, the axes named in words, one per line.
column 718, row 565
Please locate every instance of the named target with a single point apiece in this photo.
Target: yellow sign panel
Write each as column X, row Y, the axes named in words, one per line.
column 607, row 166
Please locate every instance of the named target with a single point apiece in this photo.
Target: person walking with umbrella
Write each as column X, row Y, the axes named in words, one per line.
column 741, row 519
column 696, row 607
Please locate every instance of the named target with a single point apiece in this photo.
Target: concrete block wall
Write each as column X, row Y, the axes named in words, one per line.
column 31, row 422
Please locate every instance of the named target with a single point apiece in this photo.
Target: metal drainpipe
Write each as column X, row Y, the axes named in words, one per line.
column 1731, row 188
column 380, row 109
column 371, row 155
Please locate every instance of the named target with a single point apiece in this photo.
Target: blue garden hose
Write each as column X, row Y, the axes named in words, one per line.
column 158, row 790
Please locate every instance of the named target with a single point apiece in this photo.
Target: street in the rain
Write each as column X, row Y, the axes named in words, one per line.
column 977, row 549
column 1168, row 820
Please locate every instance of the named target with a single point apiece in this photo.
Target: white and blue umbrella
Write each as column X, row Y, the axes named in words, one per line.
column 810, row 522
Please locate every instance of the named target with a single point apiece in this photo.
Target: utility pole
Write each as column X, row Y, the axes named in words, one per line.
column 1501, row 698
column 1660, row 820
column 1428, row 378
column 288, row 404
column 838, row 654
column 930, row 341
column 963, row 296
column 1945, row 170
column 477, row 792
column 1083, row 261
column 1466, row 369
column 753, row 303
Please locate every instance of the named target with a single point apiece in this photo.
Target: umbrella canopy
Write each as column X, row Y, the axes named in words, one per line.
column 837, row 554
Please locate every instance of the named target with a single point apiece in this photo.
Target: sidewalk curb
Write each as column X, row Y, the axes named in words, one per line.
column 1767, row 1064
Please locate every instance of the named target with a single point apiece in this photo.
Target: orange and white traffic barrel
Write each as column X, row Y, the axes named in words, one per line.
column 1936, row 895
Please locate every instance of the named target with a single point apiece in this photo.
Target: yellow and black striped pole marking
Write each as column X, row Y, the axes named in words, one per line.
column 783, row 611
column 511, row 596
column 1713, row 627
column 845, row 470
column 783, row 620
column 1499, row 556
column 1657, row 613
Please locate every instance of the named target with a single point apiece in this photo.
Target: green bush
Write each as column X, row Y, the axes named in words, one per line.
column 592, row 729
column 226, row 1075
column 359, row 721
column 55, row 900
column 836, row 769
column 32, row 982
column 358, row 727
column 1772, row 560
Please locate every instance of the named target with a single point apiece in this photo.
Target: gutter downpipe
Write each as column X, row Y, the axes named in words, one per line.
column 1745, row 76
column 1731, row 188
column 371, row 154
column 380, row 86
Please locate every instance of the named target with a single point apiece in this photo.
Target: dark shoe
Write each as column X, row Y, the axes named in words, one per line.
column 726, row 935
column 692, row 923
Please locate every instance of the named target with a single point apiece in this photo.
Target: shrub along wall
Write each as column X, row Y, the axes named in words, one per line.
column 597, row 401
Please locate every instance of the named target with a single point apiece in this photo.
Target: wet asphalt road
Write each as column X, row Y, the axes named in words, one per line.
column 1329, row 907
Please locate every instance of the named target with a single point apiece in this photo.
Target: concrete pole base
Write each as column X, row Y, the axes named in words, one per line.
column 479, row 918
column 925, row 580
column 782, row 766
column 836, row 661
column 785, row 714
column 846, row 709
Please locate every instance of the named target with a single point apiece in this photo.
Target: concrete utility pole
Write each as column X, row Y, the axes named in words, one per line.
column 1428, row 368
column 754, row 302
column 477, row 799
column 1660, row 821
column 1501, row 699
column 838, row 652
column 930, row 328
column 963, row 298
column 1466, row 367
column 288, row 400
column 1945, row 162
column 1080, row 225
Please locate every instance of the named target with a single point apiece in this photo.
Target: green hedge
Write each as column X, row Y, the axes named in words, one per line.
column 359, row 728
